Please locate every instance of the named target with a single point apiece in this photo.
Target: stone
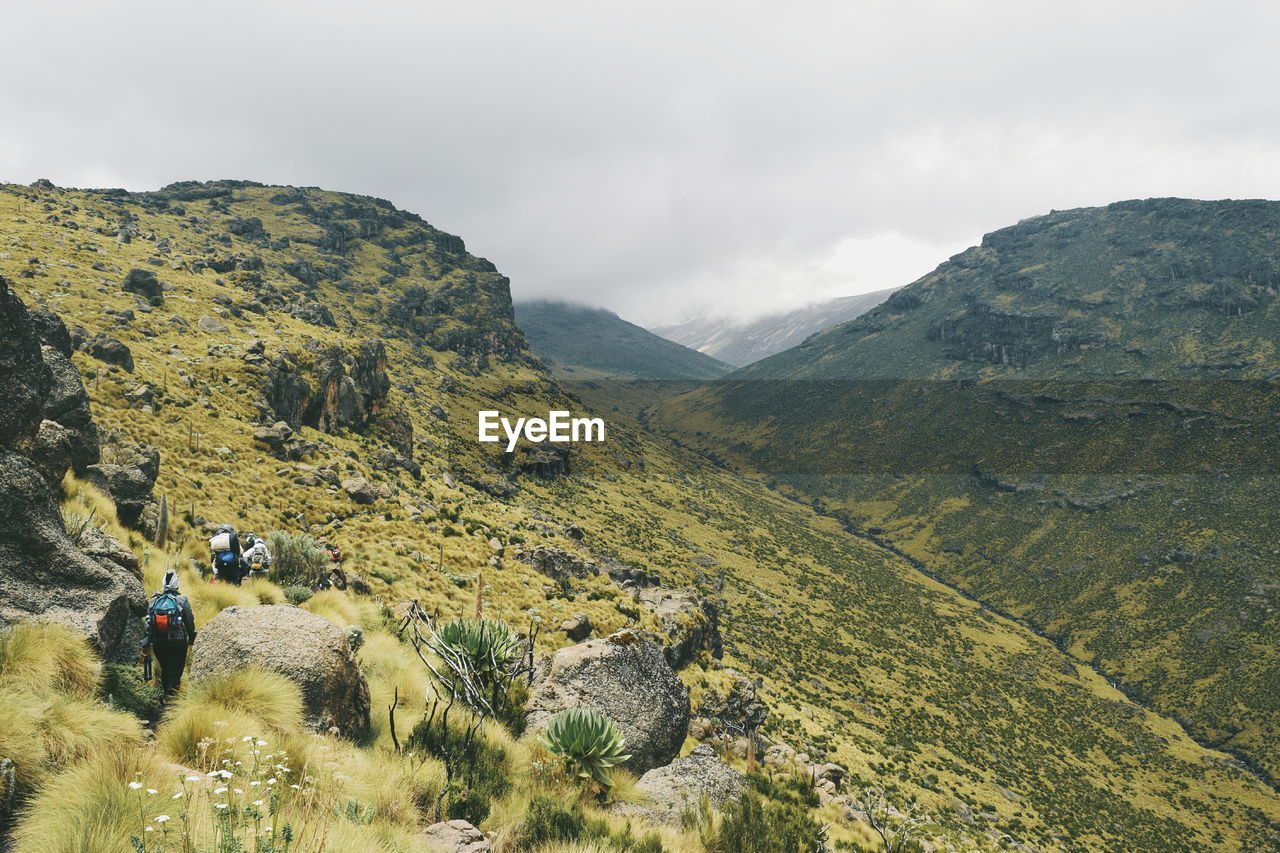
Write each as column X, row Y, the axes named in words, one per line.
column 360, row 490
column 144, row 283
column 578, row 627
column 631, row 683
column 740, row 706
column 211, row 324
column 111, row 351
column 274, row 435
column 141, row 395
column 130, row 483
column 680, row 786
column 456, row 836
column 307, row 649
column 691, row 623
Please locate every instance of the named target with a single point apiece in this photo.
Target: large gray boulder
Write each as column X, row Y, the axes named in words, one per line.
column 681, row 785
column 307, row 649
column 626, row 678
column 456, row 836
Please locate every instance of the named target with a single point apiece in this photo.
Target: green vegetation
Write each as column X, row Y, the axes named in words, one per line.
column 866, row 662
column 581, row 343
column 587, row 740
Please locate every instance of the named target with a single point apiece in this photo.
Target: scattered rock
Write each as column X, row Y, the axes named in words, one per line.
column 212, row 325
column 578, row 627
column 110, row 350
column 630, row 683
column 680, row 786
column 305, row 648
column 275, row 435
column 144, row 283
column 360, row 490
column 456, row 836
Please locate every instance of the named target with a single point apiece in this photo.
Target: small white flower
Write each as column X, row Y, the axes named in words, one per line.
column 152, row 791
column 271, row 781
column 219, row 805
column 255, row 783
column 161, row 818
column 213, row 773
column 219, row 790
column 195, row 778
column 296, row 787
column 150, row 829
column 246, row 739
column 238, row 791
column 257, row 802
column 135, row 785
column 262, row 743
column 177, row 796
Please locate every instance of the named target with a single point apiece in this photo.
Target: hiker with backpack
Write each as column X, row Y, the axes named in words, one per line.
column 225, row 555
column 257, row 557
column 170, row 631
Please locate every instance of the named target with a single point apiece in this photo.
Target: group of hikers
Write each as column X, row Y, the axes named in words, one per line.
column 170, row 629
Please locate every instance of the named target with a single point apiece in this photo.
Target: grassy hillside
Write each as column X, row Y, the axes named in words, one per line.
column 1108, row 478
column 867, row 662
column 582, row 343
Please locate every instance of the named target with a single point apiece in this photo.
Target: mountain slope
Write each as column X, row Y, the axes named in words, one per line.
column 272, row 304
column 579, row 342
column 741, row 344
column 1106, row 477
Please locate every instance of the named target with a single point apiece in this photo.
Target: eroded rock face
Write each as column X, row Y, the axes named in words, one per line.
column 340, row 390
column 631, row 683
column 680, row 786
column 307, row 649
column 130, row 485
column 43, row 574
column 690, row 622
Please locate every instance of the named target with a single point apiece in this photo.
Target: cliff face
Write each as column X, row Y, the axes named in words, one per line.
column 91, row 584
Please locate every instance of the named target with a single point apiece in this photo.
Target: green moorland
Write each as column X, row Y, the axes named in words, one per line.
column 578, row 342
column 1075, row 423
column 998, row 735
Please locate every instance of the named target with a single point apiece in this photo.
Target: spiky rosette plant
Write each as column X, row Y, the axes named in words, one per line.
column 589, row 742
column 487, row 648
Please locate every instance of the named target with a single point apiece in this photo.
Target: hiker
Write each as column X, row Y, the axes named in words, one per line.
column 257, row 558
column 225, row 554
column 170, row 631
column 333, row 576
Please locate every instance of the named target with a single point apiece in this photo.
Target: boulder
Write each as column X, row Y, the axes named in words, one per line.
column 680, row 786
column 275, row 435
column 68, row 406
column 631, row 683
column 578, row 627
column 360, row 490
column 110, row 350
column 305, row 648
column 211, row 324
column 52, row 331
column 51, row 452
column 740, row 706
column 44, row 575
column 691, row 623
column 144, row 283
column 130, row 484
column 456, row 836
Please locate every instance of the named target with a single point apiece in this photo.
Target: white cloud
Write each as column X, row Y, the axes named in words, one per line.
column 663, row 157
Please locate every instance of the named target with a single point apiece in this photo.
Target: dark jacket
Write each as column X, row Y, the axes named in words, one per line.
column 188, row 619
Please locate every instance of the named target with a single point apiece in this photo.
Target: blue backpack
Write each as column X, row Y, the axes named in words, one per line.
column 225, row 560
column 165, row 618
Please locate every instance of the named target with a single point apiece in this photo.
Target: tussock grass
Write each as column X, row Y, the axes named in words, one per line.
column 214, row 715
column 338, row 607
column 72, row 729
column 88, row 807
column 43, row 656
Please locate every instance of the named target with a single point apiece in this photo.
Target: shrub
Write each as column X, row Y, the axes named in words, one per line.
column 753, row 824
column 122, row 688
column 488, row 646
column 297, row 595
column 298, row 558
column 478, row 769
column 550, row 819
column 589, row 742
column 44, row 656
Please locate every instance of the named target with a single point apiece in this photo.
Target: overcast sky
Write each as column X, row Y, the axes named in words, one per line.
column 662, row 159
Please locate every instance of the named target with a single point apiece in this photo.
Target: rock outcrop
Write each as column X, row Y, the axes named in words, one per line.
column 130, row 482
column 338, row 390
column 630, row 682
column 680, row 786
column 456, row 836
column 303, row 647
column 143, row 283
column 690, row 623
column 43, row 573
